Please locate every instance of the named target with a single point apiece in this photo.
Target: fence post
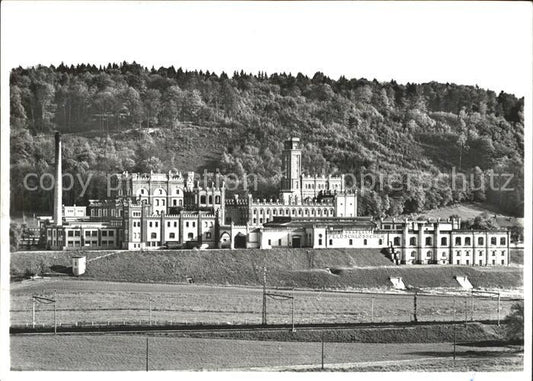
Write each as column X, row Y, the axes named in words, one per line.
column 33, row 312
column 322, row 340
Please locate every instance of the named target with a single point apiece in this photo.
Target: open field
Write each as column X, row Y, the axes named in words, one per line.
column 472, row 362
column 349, row 268
column 100, row 302
column 128, row 352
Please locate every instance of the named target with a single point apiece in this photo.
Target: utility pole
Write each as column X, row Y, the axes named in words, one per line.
column 454, row 309
column 44, row 300
column 415, row 306
column 454, row 331
column 150, row 310
column 292, row 310
column 55, row 320
column 33, row 312
column 264, row 315
column 147, row 353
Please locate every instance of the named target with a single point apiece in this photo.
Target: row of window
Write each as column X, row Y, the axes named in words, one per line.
column 458, row 253
column 458, row 241
column 320, row 186
column 173, row 235
column 106, row 212
column 288, row 212
column 480, row 262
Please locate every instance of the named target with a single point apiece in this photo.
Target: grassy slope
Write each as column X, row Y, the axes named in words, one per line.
column 286, row 267
column 472, row 332
column 290, row 268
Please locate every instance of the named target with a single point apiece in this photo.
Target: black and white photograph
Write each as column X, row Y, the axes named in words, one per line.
column 266, row 187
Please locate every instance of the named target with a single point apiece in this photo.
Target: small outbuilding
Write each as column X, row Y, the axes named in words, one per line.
column 79, row 264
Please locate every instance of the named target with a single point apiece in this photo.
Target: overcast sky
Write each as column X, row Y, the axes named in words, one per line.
column 488, row 44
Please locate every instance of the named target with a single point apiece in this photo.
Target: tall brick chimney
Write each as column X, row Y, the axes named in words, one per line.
column 58, row 189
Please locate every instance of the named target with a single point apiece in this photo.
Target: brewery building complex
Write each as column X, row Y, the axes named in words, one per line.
column 172, row 210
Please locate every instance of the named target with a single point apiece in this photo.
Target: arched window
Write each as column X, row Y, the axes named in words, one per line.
column 412, row 241
column 172, row 235
column 365, row 242
column 396, row 241
column 443, row 241
column 190, row 236
column 153, row 235
column 493, row 240
column 480, row 241
column 428, row 254
column 413, row 254
column 428, row 241
column 467, row 241
column 458, row 241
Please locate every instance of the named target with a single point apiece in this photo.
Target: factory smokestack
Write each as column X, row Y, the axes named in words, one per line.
column 58, row 189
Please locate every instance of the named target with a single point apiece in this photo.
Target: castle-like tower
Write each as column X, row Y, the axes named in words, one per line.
column 291, row 167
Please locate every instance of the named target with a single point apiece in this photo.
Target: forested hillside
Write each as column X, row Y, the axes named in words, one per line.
column 127, row 117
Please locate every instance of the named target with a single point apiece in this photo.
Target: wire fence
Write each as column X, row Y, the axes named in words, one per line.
column 247, row 307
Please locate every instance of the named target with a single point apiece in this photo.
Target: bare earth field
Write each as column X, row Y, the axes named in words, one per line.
column 117, row 302
column 128, row 352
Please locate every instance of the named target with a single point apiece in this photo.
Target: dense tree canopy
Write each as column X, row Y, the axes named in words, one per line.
column 445, row 140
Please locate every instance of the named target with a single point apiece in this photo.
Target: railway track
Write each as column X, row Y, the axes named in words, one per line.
column 200, row 328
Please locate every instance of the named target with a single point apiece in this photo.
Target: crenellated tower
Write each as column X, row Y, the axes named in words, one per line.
column 291, row 169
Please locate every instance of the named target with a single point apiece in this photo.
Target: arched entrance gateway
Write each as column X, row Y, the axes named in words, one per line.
column 224, row 241
column 240, row 241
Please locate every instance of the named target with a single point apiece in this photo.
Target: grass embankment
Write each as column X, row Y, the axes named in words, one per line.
column 349, row 268
column 291, row 268
column 465, row 333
